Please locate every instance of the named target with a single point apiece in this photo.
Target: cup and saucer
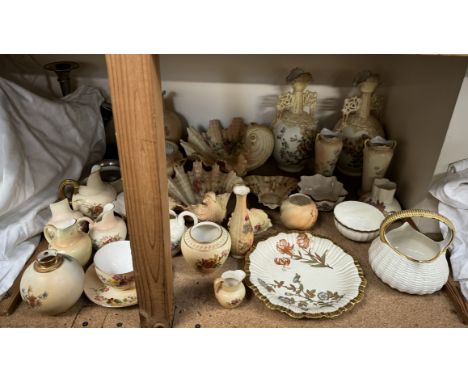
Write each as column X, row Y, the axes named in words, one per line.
column 110, row 281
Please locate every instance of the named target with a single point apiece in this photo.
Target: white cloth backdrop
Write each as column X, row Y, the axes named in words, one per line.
column 42, row 142
column 452, row 193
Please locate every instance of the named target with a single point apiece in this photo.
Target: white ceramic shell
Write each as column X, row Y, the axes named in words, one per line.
column 304, row 276
column 325, row 191
column 271, row 190
column 54, row 291
column 205, row 193
column 358, row 221
column 403, row 274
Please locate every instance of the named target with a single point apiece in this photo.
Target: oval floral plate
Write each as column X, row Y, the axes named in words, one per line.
column 304, row 275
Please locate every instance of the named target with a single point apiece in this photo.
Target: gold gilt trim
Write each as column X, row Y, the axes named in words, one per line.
column 350, row 305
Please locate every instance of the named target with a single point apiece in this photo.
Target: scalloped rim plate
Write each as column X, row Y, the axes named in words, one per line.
column 304, row 275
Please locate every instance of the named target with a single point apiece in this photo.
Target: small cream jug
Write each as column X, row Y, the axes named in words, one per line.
column 67, row 237
column 61, row 211
column 90, row 198
column 107, row 227
column 229, row 289
column 408, row 260
column 178, row 228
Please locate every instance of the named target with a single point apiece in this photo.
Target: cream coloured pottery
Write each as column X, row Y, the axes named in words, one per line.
column 378, row 154
column 304, row 276
column 206, row 246
column 325, row 191
column 104, row 295
column 406, row 259
column 114, row 265
column 358, row 221
column 67, row 237
column 299, row 212
column 382, row 196
column 328, row 145
column 53, row 283
column 229, row 289
column 173, row 155
column 119, row 205
column 61, row 211
column 271, row 190
column 178, row 228
column 240, row 227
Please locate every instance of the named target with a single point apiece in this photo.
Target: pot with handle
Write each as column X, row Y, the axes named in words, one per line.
column 408, row 260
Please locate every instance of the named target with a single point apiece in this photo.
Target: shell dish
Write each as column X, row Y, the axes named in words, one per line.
column 240, row 148
column 205, row 193
column 271, row 190
column 326, row 191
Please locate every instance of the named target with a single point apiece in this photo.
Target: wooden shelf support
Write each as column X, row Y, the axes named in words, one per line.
column 138, row 114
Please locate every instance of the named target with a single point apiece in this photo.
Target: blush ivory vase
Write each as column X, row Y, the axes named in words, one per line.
column 383, row 196
column 61, row 211
column 240, row 226
column 89, row 199
column 107, row 227
column 295, row 125
column 357, row 125
column 67, row 237
column 378, row 154
column 53, row 283
column 328, row 145
column 229, row 289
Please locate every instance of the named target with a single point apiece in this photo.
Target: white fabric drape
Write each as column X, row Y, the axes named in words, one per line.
column 452, row 193
column 42, row 142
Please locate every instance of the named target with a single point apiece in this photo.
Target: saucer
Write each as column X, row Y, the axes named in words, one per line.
column 103, row 295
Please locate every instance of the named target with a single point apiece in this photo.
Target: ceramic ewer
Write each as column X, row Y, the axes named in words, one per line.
column 178, row 228
column 358, row 124
column 299, row 212
column 107, row 227
column 383, row 196
column 173, row 155
column 328, row 145
column 229, row 289
column 325, row 191
column 408, row 260
column 304, row 276
column 240, row 226
column 206, row 246
column 240, row 147
column 378, row 154
column 89, row 199
column 271, row 190
column 203, row 192
column 53, row 283
column 61, row 211
column 295, row 125
column 358, row 221
column 67, row 237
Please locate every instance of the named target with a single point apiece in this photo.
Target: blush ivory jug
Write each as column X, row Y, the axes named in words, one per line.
column 61, row 211
column 408, row 260
column 178, row 228
column 90, row 198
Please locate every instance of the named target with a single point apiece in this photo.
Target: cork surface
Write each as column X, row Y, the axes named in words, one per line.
column 196, row 305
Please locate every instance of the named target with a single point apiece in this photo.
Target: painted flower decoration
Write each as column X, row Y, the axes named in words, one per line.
column 284, row 261
column 284, row 247
column 303, row 240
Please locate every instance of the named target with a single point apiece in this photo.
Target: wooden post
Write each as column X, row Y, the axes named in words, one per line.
column 138, row 114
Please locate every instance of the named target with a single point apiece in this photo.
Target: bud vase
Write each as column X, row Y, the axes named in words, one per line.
column 240, row 226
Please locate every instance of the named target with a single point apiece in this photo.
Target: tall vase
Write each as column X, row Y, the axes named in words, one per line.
column 328, row 145
column 357, row 125
column 378, row 154
column 240, row 226
column 295, row 126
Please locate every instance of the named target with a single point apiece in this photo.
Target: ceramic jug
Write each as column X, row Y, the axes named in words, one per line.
column 240, row 226
column 67, row 238
column 229, row 289
column 299, row 212
column 295, row 125
column 358, row 124
column 378, row 154
column 178, row 228
column 382, row 196
column 206, row 246
column 61, row 211
column 90, row 198
column 107, row 227
column 408, row 260
column 53, row 283
column 328, row 145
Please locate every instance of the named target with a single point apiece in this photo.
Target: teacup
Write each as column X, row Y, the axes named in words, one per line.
column 114, row 267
